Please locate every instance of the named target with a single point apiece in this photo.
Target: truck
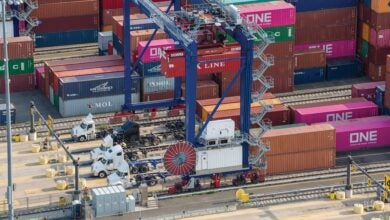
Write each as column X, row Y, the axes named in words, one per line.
column 98, row 152
column 109, row 162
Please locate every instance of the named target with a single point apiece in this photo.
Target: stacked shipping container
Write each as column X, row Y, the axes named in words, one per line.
column 20, row 64
column 374, row 37
column 66, row 22
column 387, row 91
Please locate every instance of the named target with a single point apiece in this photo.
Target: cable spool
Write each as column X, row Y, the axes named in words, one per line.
column 180, row 158
column 379, row 205
column 358, row 208
column 35, row 148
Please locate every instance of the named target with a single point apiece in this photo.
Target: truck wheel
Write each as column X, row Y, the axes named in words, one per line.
column 143, row 169
column 82, row 138
column 151, row 181
column 134, row 170
column 133, row 157
column 146, row 143
column 102, row 174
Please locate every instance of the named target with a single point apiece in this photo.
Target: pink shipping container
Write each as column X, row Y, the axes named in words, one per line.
column 366, row 90
column 362, row 133
column 380, row 38
column 333, row 49
column 336, row 112
column 268, row 14
column 153, row 52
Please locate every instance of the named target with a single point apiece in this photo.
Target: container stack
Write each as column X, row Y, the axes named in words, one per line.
column 20, row 64
column 387, row 92
column 277, row 18
column 87, row 85
column 374, row 37
column 66, row 22
column 329, row 25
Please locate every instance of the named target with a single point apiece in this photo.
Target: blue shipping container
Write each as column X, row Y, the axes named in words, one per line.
column 380, row 95
column 117, row 44
column 98, row 85
column 3, row 114
column 367, row 3
column 344, row 69
column 66, row 38
column 311, row 75
column 149, row 69
column 312, row 5
column 142, row 24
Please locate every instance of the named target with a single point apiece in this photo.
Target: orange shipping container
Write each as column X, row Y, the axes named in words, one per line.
column 66, row 9
column 301, row 161
column 300, row 139
column 376, row 72
column 380, row 6
column 365, row 31
column 309, row 59
column 18, row 47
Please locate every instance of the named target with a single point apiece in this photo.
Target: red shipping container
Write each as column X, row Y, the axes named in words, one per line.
column 376, row 72
column 224, row 79
column 388, row 63
column 18, row 47
column 334, row 16
column 107, row 14
column 60, row 24
column 366, row 90
column 284, row 65
column 380, row 21
column 155, row 96
column 388, row 80
column 309, row 59
column 366, row 64
column 387, row 98
column 109, row 4
column 281, row 49
column 39, row 71
column 319, row 34
column 380, row 38
column 173, row 66
column 378, row 55
column 204, row 90
column 19, row 83
column 110, row 48
column 65, row 9
column 364, row 13
column 283, row 82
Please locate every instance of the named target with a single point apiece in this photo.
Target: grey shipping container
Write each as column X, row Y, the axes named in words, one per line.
column 157, row 84
column 99, row 85
column 103, row 39
column 3, row 114
column 79, row 107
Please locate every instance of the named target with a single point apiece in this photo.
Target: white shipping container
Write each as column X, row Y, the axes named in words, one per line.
column 103, row 39
column 218, row 160
column 9, row 29
column 98, row 201
column 219, row 129
column 78, row 107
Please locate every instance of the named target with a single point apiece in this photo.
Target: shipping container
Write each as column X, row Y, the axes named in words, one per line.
column 157, row 84
column 344, row 68
column 380, row 6
column 66, row 38
column 153, row 51
column 363, row 48
column 365, row 31
column 281, row 50
column 364, row 13
column 65, row 9
column 107, row 14
column 325, row 33
column 19, row 83
column 380, row 21
column 283, row 65
column 335, row 112
column 387, row 99
column 39, row 78
column 378, row 55
column 67, row 23
column 380, row 38
column 18, row 66
column 268, row 14
column 18, row 47
column 388, row 63
column 103, row 39
column 333, row 49
column 376, row 72
column 149, row 69
column 334, row 16
column 281, row 34
column 242, row 2
column 78, row 87
column 3, row 114
column 204, row 90
column 142, row 24
column 310, row 58
column 155, row 96
column 366, row 90
column 380, row 95
column 309, row 5
column 9, row 29
column 224, row 79
column 311, row 75
column 94, row 105
column 362, row 133
column 283, row 82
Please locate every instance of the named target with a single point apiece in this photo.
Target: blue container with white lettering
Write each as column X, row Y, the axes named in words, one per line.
column 149, row 69
column 66, row 38
column 310, row 75
column 313, row 5
column 344, row 69
column 380, row 95
column 3, row 114
column 142, row 24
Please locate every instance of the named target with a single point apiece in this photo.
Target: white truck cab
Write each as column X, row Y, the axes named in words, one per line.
column 98, row 152
column 84, row 131
column 121, row 177
column 109, row 162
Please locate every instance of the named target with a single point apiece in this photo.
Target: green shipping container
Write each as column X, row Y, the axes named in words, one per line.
column 281, row 34
column 243, row 2
column 227, row 38
column 364, row 48
column 18, row 66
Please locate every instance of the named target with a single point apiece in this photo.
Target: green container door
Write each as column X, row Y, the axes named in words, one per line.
column 281, row 34
column 364, row 48
column 243, row 2
column 18, row 66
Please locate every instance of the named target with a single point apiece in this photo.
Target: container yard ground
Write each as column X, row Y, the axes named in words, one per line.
column 319, row 209
column 21, row 100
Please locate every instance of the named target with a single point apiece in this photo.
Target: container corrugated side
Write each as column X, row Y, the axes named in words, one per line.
column 149, row 68
column 61, row 24
column 3, row 114
column 335, row 112
column 77, row 107
column 18, row 47
column 309, row 59
column 380, row 21
column 281, row 34
column 333, row 49
column 335, row 16
column 325, row 33
column 377, row 55
column 380, row 6
column 366, row 90
column 388, row 63
column 376, row 72
column 64, row 9
column 18, row 66
column 204, row 90
column 66, row 38
column 362, row 133
column 344, row 68
column 153, row 51
column 380, row 38
column 157, row 84
column 224, row 79
column 19, row 83
column 311, row 75
column 309, row 5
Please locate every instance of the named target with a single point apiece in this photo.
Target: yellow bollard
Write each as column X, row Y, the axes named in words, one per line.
column 239, row 192
column 35, row 148
column 332, row 196
column 43, row 160
column 244, row 198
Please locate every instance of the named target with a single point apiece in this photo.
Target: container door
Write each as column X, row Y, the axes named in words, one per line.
column 204, row 161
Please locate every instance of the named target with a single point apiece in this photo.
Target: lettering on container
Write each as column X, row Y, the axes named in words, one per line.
column 155, row 69
column 161, row 83
column 366, row 137
column 339, row 116
column 101, row 88
column 265, row 17
column 100, row 104
column 211, row 65
column 328, row 48
column 157, row 51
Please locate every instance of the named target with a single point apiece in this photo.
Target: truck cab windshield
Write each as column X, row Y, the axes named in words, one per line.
column 83, row 125
column 121, row 174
